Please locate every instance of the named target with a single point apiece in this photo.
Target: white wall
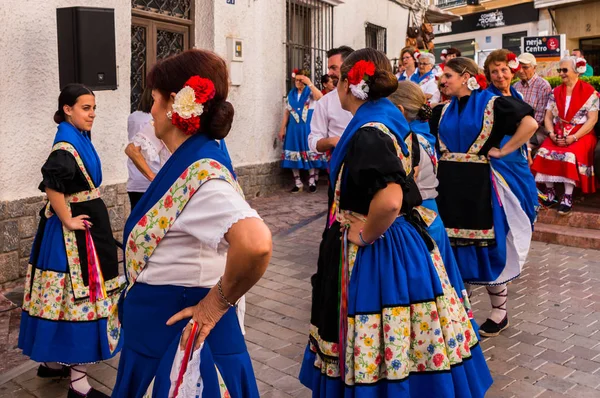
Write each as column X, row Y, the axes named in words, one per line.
column 30, row 88
column 350, row 19
column 258, row 100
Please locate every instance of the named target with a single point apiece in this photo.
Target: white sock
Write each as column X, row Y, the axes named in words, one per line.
column 498, row 298
column 311, row 176
column 569, row 188
column 79, row 380
column 297, row 179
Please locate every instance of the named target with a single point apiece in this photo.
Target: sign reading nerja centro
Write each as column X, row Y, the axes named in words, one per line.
column 547, row 47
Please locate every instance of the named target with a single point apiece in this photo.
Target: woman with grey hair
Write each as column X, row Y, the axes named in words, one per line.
column 567, row 154
column 425, row 77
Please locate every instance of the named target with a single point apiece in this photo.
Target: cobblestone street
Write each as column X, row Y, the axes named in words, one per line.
column 552, row 348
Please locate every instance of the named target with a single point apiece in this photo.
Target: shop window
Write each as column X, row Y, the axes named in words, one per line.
column 591, row 52
column 512, row 41
column 376, row 37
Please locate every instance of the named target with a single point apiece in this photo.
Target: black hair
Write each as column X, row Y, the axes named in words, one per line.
column 578, row 49
column 344, row 51
column 146, row 101
column 383, row 82
column 68, row 96
column 325, row 78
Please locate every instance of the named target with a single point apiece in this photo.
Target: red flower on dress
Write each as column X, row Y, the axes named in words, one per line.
column 434, row 316
column 356, row 351
column 482, row 81
column 386, row 328
column 90, row 315
column 143, row 221
column 438, row 359
column 421, row 367
column 378, row 359
column 361, row 71
column 133, row 246
column 168, row 202
column 334, row 348
column 203, row 88
column 388, row 354
column 188, row 126
column 467, row 348
column 184, row 174
column 467, row 335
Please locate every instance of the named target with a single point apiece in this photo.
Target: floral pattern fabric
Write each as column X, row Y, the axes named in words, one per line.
column 296, row 156
column 592, row 104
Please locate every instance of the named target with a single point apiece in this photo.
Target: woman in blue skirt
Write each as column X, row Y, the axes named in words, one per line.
column 487, row 195
column 295, row 129
column 72, row 283
column 194, row 247
column 385, row 321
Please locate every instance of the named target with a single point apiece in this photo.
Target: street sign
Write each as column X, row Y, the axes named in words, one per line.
column 547, row 47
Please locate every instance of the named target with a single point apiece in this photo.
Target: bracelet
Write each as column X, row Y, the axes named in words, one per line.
column 220, row 286
column 362, row 240
column 575, row 137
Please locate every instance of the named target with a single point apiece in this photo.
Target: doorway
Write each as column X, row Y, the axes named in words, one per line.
column 591, row 51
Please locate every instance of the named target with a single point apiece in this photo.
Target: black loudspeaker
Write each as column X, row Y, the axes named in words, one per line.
column 86, row 47
column 473, row 2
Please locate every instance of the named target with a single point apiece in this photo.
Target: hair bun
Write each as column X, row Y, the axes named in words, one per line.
column 382, row 84
column 219, row 120
column 59, row 117
column 425, row 112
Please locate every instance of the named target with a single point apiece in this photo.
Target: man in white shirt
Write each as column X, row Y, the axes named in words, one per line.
column 329, row 120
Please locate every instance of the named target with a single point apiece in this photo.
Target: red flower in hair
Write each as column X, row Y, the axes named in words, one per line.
column 513, row 62
column 188, row 126
column 580, row 64
column 482, row 81
column 361, row 71
column 203, row 88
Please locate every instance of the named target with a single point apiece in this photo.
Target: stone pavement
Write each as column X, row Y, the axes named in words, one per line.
column 552, row 348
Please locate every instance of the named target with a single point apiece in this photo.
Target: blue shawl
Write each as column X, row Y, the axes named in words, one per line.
column 197, row 147
column 513, row 92
column 421, row 128
column 83, row 145
column 298, row 104
column 417, row 78
column 380, row 111
column 459, row 130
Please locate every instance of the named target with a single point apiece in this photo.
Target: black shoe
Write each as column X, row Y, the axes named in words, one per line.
column 549, row 198
column 296, row 189
column 49, row 373
column 566, row 205
column 491, row 328
column 93, row 393
column 312, row 188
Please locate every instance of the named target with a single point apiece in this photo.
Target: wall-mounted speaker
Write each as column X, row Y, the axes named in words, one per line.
column 86, row 47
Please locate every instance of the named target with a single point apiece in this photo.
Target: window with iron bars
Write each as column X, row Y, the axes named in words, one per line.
column 309, row 34
column 376, row 37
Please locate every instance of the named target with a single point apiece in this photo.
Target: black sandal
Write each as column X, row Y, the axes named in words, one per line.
column 92, row 393
column 490, row 328
column 46, row 372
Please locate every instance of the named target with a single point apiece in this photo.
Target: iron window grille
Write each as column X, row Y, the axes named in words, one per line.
column 171, row 8
column 376, row 37
column 309, row 34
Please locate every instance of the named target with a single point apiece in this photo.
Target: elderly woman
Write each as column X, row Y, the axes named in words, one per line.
column 484, row 203
column 213, row 246
column 425, row 77
column 294, row 131
column 409, row 63
column 567, row 155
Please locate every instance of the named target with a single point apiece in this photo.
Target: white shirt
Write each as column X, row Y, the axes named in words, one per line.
column 426, row 180
column 155, row 153
column 328, row 120
column 431, row 87
column 311, row 101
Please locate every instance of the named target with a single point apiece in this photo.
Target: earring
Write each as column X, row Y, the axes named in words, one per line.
column 464, row 83
column 170, row 114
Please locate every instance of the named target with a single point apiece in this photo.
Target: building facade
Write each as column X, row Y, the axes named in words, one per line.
column 490, row 25
column 275, row 35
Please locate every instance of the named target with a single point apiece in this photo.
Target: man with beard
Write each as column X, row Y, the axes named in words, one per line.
column 329, row 119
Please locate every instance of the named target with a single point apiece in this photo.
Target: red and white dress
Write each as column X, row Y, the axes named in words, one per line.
column 574, row 163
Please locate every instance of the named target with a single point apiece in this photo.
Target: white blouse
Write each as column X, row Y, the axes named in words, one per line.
column 194, row 251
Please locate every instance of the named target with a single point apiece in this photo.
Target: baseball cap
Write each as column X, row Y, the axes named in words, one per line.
column 527, row 59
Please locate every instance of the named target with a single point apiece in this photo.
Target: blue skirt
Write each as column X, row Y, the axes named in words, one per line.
column 150, row 345
column 408, row 333
column 296, row 153
column 492, row 265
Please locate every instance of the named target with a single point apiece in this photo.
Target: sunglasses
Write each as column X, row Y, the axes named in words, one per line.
column 423, row 64
column 562, row 70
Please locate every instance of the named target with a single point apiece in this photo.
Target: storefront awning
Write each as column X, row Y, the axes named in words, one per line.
column 436, row 15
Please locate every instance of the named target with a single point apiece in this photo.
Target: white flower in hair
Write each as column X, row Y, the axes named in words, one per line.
column 580, row 65
column 513, row 64
column 185, row 104
column 472, row 84
column 360, row 90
